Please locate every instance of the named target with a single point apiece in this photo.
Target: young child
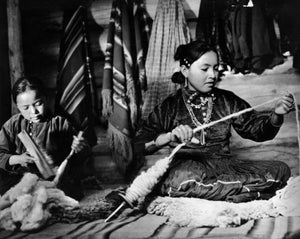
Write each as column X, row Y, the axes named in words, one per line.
column 53, row 134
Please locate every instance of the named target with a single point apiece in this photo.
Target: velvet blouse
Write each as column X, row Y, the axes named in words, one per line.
column 253, row 125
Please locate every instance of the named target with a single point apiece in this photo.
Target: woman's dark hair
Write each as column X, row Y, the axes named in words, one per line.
column 187, row 54
column 27, row 83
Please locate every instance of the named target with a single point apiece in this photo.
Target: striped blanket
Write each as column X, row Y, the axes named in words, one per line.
column 152, row 226
column 76, row 92
column 124, row 76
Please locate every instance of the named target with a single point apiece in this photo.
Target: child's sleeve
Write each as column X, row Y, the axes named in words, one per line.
column 6, row 147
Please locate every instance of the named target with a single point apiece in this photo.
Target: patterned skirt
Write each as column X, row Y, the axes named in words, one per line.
column 223, row 178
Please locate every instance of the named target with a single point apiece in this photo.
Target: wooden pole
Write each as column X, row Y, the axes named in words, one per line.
column 5, row 101
column 16, row 62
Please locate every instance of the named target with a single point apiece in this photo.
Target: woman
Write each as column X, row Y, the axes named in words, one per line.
column 204, row 167
column 53, row 134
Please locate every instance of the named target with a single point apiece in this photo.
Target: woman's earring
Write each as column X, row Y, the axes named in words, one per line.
column 185, row 82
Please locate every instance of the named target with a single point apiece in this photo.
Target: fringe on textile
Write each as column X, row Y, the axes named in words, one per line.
column 133, row 106
column 107, row 107
column 121, row 146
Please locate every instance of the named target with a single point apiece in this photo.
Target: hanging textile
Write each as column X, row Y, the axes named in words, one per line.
column 123, row 77
column 213, row 28
column 255, row 44
column 169, row 30
column 76, row 92
column 142, row 27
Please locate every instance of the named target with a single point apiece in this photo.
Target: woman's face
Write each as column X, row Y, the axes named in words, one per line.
column 203, row 73
column 31, row 105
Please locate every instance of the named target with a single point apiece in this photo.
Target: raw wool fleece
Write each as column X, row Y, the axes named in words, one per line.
column 286, row 200
column 194, row 212
column 26, row 205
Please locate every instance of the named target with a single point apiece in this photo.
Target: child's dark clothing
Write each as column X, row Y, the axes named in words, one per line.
column 54, row 135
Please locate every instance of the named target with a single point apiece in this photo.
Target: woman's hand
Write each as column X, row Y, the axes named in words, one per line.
column 22, row 159
column 285, row 104
column 183, row 133
column 78, row 144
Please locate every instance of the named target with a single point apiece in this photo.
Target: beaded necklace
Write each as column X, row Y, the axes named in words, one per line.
column 203, row 100
column 206, row 115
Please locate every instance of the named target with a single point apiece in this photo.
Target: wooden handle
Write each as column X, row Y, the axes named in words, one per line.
column 63, row 165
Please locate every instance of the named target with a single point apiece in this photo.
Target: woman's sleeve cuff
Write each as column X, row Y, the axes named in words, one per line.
column 276, row 120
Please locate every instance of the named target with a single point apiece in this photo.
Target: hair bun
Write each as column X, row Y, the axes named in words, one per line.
column 178, row 77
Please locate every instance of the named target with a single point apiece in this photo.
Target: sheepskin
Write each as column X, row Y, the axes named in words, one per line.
column 26, row 205
column 194, row 212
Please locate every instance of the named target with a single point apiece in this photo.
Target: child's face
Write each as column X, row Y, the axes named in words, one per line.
column 31, row 105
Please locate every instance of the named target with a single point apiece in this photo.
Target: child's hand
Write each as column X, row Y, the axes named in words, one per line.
column 78, row 144
column 22, row 159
